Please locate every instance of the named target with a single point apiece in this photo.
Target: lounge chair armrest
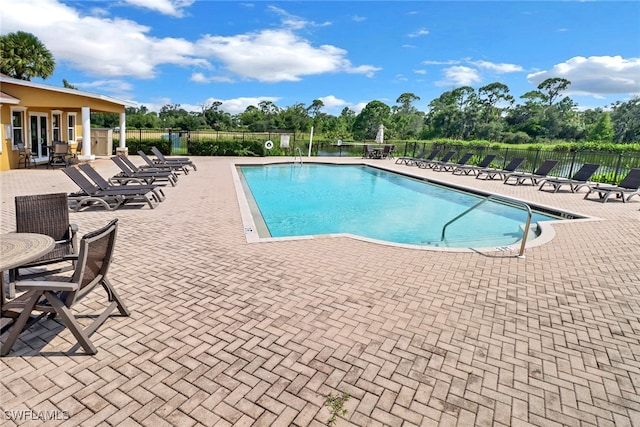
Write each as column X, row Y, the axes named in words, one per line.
column 42, row 285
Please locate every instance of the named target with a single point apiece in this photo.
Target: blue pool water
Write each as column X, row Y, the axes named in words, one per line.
column 312, row 199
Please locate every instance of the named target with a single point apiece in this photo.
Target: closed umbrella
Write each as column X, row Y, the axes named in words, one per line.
column 380, row 135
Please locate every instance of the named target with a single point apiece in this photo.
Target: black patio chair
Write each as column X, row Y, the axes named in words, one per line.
column 59, row 297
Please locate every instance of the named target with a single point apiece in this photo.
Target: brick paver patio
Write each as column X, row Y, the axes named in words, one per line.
column 225, row 332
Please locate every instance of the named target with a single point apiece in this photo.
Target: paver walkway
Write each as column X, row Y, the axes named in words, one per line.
column 225, row 332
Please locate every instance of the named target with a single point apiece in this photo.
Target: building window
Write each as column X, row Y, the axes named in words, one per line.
column 71, row 126
column 56, row 118
column 17, row 124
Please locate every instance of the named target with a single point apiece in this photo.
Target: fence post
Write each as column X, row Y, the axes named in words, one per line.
column 504, row 161
column 617, row 171
column 573, row 163
column 535, row 161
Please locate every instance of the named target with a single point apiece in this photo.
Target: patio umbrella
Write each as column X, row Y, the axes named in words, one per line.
column 380, row 134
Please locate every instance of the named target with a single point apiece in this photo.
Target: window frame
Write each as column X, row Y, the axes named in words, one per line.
column 22, row 112
column 71, row 127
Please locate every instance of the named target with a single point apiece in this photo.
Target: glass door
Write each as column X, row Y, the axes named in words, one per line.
column 39, row 125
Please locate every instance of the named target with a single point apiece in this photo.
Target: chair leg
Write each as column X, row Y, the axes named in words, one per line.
column 113, row 296
column 19, row 325
column 69, row 320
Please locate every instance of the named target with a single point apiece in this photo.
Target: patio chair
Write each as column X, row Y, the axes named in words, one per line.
column 412, row 161
column 576, row 182
column 59, row 297
column 25, row 156
column 386, row 152
column 492, row 173
column 103, row 184
column 535, row 177
column 392, row 152
column 368, row 151
column 629, row 187
column 472, row 169
column 173, row 167
column 129, row 171
column 110, row 199
column 46, row 214
column 161, row 158
column 60, row 155
column 449, row 166
column 430, row 163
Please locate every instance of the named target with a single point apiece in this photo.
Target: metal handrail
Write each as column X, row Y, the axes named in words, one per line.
column 299, row 154
column 507, row 201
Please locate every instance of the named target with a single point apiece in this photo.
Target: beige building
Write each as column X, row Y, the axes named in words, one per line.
column 37, row 114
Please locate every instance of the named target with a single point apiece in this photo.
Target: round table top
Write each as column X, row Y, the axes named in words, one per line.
column 17, row 249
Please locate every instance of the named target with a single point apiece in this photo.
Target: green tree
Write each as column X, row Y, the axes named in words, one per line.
column 23, row 56
column 366, row 124
column 105, row 120
column 489, row 96
column 296, row 118
column 68, row 85
column 527, row 117
column 551, row 89
column 454, row 114
column 315, row 107
column 406, row 118
column 626, row 120
column 216, row 118
column 603, row 130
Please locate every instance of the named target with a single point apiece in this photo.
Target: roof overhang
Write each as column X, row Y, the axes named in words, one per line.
column 6, row 80
column 8, row 99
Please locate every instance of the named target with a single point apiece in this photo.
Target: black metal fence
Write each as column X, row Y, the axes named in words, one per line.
column 187, row 142
column 613, row 166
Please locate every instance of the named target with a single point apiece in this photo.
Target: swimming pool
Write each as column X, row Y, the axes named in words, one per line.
column 315, row 199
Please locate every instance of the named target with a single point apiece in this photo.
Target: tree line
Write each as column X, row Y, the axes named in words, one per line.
column 489, row 113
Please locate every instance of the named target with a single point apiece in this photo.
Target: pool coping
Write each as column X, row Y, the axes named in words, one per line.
column 545, row 230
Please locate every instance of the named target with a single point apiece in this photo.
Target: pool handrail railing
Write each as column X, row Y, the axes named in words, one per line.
column 504, row 200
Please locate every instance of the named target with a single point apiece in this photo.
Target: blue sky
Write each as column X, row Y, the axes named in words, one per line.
column 193, row 53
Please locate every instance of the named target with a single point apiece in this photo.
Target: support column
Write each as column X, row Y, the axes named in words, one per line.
column 122, row 147
column 86, row 135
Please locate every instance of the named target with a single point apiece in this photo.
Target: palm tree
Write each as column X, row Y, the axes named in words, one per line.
column 23, row 56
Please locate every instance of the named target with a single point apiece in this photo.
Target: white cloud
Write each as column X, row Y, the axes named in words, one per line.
column 166, row 7
column 231, row 106
column 119, row 88
column 98, row 43
column 449, row 62
column 596, row 76
column 295, row 22
column 459, row 76
column 276, row 55
column 238, row 105
column 115, row 47
column 420, row 32
column 331, row 101
column 201, row 78
column 357, row 108
column 498, row 68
